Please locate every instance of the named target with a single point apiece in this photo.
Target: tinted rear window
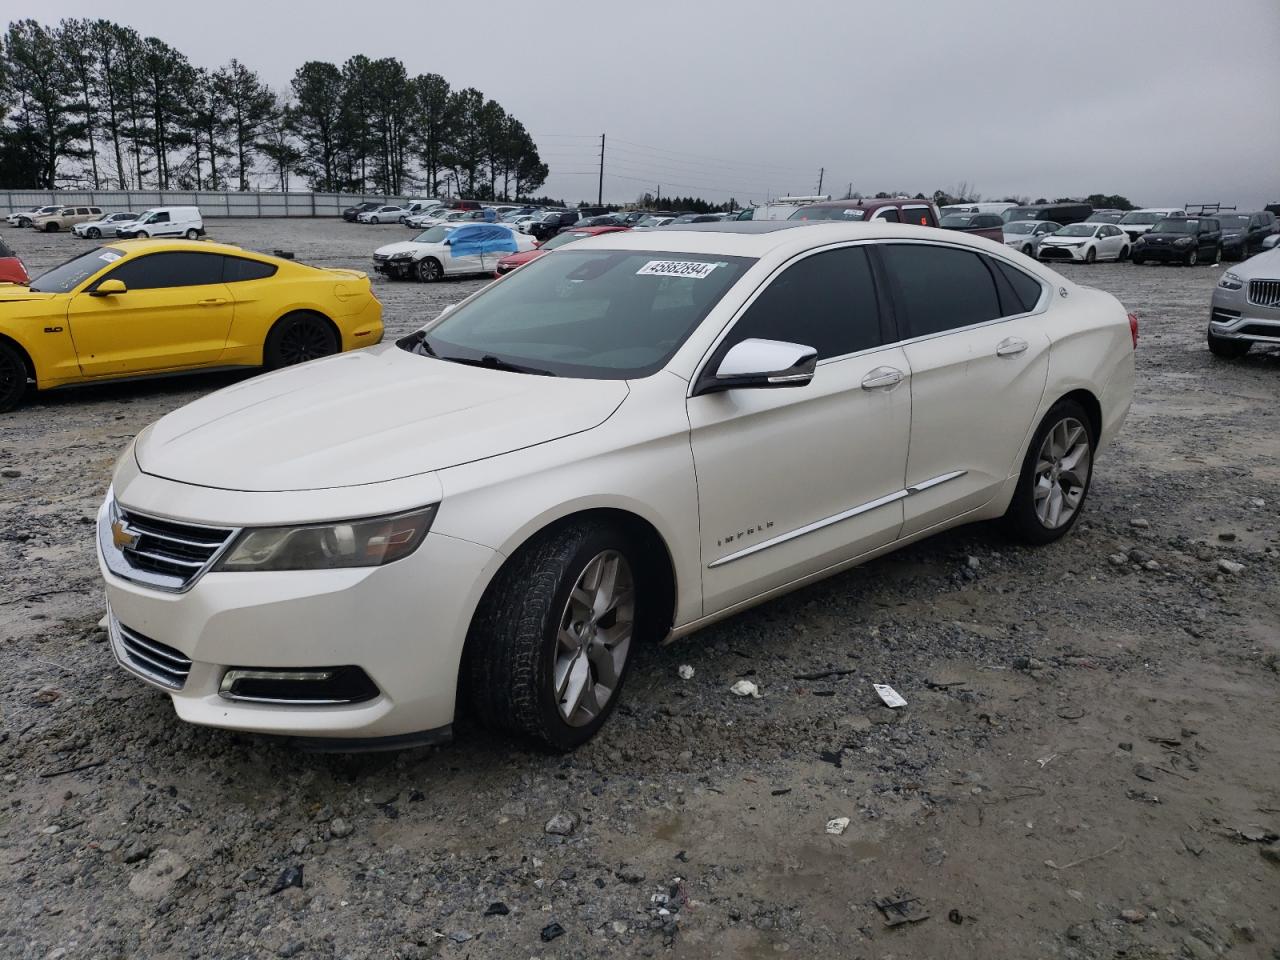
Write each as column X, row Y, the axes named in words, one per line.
column 239, row 269
column 940, row 288
column 1026, row 288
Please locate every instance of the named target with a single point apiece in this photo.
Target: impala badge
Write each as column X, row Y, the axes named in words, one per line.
column 121, row 536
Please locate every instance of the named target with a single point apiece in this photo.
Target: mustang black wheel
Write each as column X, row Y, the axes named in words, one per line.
column 298, row 338
column 13, row 378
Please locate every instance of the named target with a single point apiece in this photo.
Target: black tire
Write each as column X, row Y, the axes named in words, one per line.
column 297, row 338
column 1027, row 250
column 23, row 222
column 1217, row 255
column 1091, row 255
column 1226, row 348
column 13, row 378
column 1136, row 260
column 508, row 667
column 1192, row 258
column 50, row 228
column 429, row 270
column 374, row 220
column 1124, row 255
column 193, row 234
column 93, row 233
column 1021, row 519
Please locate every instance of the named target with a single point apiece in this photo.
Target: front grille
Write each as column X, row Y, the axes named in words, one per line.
column 166, row 548
column 1265, row 293
column 153, row 659
column 380, row 258
column 1060, row 253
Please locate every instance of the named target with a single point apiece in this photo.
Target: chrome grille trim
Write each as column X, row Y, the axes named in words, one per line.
column 149, row 659
column 157, row 552
column 1264, row 293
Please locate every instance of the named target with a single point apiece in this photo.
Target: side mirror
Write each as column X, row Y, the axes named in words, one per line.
column 109, row 288
column 755, row 364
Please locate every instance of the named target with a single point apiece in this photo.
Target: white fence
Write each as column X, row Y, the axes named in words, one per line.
column 212, row 203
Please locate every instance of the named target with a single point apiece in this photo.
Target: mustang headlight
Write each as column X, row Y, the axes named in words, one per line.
column 369, row 542
column 1230, row 281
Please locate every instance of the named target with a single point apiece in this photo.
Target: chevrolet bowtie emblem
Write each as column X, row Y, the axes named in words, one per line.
column 122, row 536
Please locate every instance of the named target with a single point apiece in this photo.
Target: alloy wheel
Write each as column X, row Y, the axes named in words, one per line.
column 1062, row 473
column 594, row 638
column 429, row 270
column 305, row 340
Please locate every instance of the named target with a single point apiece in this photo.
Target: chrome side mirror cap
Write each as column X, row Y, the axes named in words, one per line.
column 756, row 364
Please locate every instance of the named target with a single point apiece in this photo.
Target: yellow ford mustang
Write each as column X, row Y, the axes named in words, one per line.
column 141, row 308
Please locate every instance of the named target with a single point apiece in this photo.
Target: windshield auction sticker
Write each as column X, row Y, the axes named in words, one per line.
column 693, row 269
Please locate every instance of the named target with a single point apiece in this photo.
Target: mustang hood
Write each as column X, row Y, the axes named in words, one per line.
column 366, row 417
column 16, row 293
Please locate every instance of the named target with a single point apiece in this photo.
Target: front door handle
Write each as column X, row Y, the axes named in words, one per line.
column 212, row 301
column 1011, row 347
column 882, row 378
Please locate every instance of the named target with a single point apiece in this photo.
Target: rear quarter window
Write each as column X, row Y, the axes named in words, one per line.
column 240, row 269
column 1027, row 290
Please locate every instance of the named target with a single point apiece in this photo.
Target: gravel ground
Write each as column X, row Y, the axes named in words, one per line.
column 1087, row 767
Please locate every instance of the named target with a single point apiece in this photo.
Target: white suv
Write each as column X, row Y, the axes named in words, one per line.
column 624, row 440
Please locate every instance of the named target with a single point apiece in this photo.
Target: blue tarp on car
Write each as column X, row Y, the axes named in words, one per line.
column 482, row 239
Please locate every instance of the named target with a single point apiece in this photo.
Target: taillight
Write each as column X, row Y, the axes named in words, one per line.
column 1133, row 329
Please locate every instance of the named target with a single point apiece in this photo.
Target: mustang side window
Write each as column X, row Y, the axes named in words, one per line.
column 826, row 301
column 940, row 288
column 158, row 270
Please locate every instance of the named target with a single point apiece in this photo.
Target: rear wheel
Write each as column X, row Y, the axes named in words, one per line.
column 374, row 220
column 1055, row 476
column 1227, row 348
column 13, row 378
column 297, row 338
column 550, row 645
column 193, row 234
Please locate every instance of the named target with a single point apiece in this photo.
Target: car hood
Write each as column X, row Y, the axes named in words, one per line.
column 16, row 293
column 524, row 256
column 406, row 246
column 366, row 417
column 1265, row 265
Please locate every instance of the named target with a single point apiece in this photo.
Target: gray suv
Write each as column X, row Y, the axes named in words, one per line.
column 1246, row 306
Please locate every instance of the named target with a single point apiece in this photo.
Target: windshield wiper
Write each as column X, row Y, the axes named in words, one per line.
column 495, row 363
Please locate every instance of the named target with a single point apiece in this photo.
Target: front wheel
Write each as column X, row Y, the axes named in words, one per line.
column 297, row 338
column 1027, row 250
column 1227, row 348
column 1055, row 476
column 549, row 648
column 94, row 233
column 1193, row 258
column 1090, row 255
column 13, row 378
column 374, row 220
column 50, row 228
column 429, row 270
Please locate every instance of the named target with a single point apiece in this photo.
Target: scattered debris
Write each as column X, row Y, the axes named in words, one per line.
column 1143, row 772
column 1096, row 856
column 1133, row 916
column 289, row 877
column 1070, row 713
column 903, row 908
column 1192, row 844
column 551, row 931
column 497, row 909
column 685, row 671
column 837, row 825
column 1230, row 567
column 1142, row 795
column 833, row 757
column 561, row 825
column 890, row 696
column 1045, row 761
column 822, row 674
column 745, row 688
column 955, row 916
column 159, row 878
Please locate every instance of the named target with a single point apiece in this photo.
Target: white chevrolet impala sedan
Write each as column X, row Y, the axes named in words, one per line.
column 618, row 443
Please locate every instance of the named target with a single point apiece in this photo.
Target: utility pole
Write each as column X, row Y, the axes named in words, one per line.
column 600, row 188
column 821, row 172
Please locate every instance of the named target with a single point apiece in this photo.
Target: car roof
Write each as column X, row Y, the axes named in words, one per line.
column 749, row 238
column 201, row 246
column 866, row 203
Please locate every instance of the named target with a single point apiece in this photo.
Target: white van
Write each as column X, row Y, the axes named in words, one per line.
column 977, row 208
column 165, row 222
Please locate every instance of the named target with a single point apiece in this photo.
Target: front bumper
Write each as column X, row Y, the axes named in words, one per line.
column 1233, row 317
column 1162, row 254
column 403, row 625
column 393, row 268
column 1052, row 252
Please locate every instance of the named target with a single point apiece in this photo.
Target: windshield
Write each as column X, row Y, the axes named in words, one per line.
column 958, row 220
column 1104, row 218
column 434, row 234
column 1141, row 217
column 1233, row 222
column 1076, row 230
column 560, row 239
column 1022, row 227
column 828, row 213
column 594, row 314
column 1175, row 225
column 67, row 276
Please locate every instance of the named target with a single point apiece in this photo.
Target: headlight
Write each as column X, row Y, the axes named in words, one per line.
column 1183, row 242
column 403, row 255
column 370, row 542
column 1230, row 281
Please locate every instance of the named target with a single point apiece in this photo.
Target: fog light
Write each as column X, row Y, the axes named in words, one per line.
column 314, row 686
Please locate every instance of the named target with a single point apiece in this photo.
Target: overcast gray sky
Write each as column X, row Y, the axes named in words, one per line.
column 1165, row 101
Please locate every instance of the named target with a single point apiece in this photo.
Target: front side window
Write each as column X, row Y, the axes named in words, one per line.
column 940, row 288
column 157, row 271
column 888, row 214
column 595, row 314
column 826, row 301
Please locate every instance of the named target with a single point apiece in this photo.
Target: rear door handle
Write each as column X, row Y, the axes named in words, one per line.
column 882, row 378
column 212, row 301
column 1011, row 347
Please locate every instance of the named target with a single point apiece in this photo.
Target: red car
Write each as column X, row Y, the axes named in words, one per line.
column 513, row 260
column 12, row 269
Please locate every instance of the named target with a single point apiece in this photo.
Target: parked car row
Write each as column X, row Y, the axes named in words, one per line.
column 93, row 224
